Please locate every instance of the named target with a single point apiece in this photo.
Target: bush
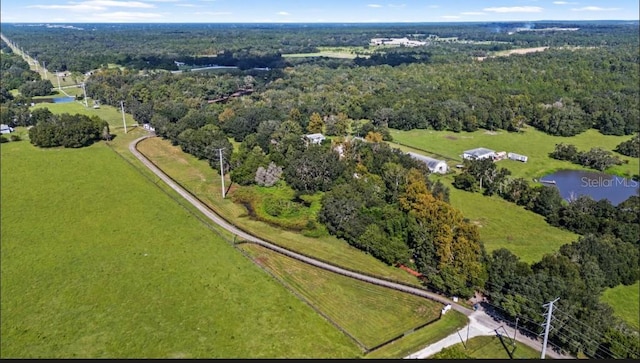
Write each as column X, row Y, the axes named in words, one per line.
column 3, row 140
column 15, row 138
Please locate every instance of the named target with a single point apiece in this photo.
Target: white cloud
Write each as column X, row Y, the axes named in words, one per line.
column 564, row 3
column 374, row 5
column 473, row 13
column 96, row 5
column 515, row 9
column 124, row 16
column 122, row 4
column 214, row 13
column 450, row 17
column 595, row 8
column 283, row 13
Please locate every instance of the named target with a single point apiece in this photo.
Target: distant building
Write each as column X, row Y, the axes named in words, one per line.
column 5, row 129
column 479, row 153
column 315, row 138
column 434, row 165
column 396, row 41
column 517, row 157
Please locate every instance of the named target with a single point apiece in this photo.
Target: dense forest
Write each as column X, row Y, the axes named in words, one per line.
column 374, row 197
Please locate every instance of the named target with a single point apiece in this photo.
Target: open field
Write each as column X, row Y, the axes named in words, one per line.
column 99, row 262
column 625, row 301
column 370, row 313
column 533, row 143
column 334, row 52
column 203, row 181
column 505, row 224
column 490, row 347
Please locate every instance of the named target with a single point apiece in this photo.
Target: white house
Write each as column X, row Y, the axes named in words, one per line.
column 478, row 153
column 5, row 129
column 517, row 157
column 315, row 138
column 434, row 165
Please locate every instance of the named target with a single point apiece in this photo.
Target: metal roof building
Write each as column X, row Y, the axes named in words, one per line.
column 434, row 165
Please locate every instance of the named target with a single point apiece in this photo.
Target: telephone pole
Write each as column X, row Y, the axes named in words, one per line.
column 123, row 121
column 547, row 326
column 221, row 171
column 84, row 91
column 58, row 76
column 44, row 67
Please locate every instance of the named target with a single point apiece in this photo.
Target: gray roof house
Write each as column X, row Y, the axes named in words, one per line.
column 315, row 138
column 478, row 153
column 434, row 165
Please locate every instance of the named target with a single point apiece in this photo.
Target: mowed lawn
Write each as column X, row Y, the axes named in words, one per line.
column 625, row 301
column 98, row 263
column 533, row 143
column 371, row 314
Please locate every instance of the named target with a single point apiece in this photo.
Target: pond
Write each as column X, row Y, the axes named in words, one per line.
column 54, row 100
column 573, row 183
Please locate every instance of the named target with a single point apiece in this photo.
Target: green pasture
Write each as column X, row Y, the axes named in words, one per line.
column 505, row 224
column 370, row 313
column 625, row 301
column 98, row 262
column 203, row 181
column 533, row 143
column 110, row 114
column 490, row 347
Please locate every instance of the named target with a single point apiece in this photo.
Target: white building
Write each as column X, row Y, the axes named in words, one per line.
column 478, row 153
column 315, row 138
column 397, row 41
column 434, row 165
column 5, row 129
column 517, row 157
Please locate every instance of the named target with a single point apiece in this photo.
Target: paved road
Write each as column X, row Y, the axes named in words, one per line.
column 480, row 322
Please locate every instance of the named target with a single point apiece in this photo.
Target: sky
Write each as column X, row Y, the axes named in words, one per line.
column 311, row 11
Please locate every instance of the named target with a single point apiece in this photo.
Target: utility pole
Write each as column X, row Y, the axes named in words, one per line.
column 547, row 326
column 58, row 76
column 123, row 121
column 44, row 67
column 84, row 90
column 515, row 331
column 221, row 172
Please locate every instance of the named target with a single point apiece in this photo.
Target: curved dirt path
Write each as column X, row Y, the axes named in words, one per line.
column 480, row 322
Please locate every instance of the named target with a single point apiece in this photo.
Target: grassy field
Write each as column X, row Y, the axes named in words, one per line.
column 335, row 52
column 505, row 224
column 99, row 262
column 370, row 313
column 531, row 142
column 415, row 341
column 625, row 301
column 197, row 176
column 490, row 347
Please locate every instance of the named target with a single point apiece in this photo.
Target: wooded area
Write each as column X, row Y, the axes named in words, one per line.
column 376, row 198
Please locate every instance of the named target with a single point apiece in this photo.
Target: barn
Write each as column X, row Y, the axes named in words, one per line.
column 434, row 165
column 478, row 153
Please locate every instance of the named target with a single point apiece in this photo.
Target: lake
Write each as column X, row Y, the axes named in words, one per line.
column 572, row 183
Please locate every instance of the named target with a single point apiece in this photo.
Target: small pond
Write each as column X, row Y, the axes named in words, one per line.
column 54, row 100
column 573, row 183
